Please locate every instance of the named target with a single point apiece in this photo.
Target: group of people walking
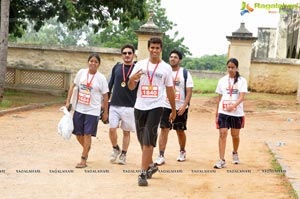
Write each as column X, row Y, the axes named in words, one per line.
column 144, row 96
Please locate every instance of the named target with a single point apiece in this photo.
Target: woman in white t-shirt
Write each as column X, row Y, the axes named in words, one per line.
column 230, row 112
column 92, row 92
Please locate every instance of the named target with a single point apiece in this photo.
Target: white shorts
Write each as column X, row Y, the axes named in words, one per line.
column 122, row 114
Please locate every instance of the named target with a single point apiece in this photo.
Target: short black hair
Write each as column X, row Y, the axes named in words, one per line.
column 177, row 52
column 128, row 46
column 155, row 40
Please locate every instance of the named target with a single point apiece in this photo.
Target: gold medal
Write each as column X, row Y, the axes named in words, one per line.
column 150, row 87
column 123, row 84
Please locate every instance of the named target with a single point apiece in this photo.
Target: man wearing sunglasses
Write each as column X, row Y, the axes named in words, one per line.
column 122, row 100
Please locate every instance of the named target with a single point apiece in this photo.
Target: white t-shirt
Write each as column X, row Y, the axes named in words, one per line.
column 91, row 97
column 178, row 78
column 224, row 88
column 150, row 98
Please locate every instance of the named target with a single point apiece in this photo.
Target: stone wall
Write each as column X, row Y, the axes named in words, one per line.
column 274, row 75
column 60, row 57
column 265, row 74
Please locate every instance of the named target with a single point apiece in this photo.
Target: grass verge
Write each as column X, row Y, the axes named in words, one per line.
column 14, row 99
column 277, row 167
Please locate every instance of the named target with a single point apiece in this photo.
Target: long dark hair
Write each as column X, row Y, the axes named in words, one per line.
column 236, row 63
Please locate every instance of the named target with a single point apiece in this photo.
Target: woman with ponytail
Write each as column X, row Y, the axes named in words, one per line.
column 230, row 112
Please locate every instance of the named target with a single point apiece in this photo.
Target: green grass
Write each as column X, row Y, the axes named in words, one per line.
column 277, row 167
column 16, row 98
column 205, row 86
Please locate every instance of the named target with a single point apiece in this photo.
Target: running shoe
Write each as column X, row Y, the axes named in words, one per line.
column 220, row 164
column 142, row 180
column 153, row 168
column 114, row 155
column 122, row 159
column 235, row 158
column 160, row 160
column 181, row 157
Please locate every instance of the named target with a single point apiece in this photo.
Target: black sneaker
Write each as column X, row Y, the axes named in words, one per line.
column 152, row 170
column 142, row 180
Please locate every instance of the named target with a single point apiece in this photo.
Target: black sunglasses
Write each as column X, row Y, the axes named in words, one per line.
column 129, row 53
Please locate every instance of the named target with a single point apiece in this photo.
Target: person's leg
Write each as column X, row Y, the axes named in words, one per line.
column 86, row 144
column 162, row 143
column 114, row 118
column 126, row 140
column 222, row 142
column 80, row 139
column 181, row 139
column 146, row 156
column 125, row 145
column 222, row 146
column 235, row 134
column 165, row 127
column 162, row 140
column 182, row 142
column 113, row 136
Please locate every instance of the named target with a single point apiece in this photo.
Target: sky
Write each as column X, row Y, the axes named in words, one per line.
column 205, row 24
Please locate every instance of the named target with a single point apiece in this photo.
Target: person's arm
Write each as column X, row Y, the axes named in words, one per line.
column 70, row 92
column 134, row 79
column 187, row 100
column 218, row 102
column 232, row 107
column 171, row 97
column 111, row 81
column 105, row 107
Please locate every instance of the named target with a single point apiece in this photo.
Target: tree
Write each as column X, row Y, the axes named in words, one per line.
column 75, row 13
column 3, row 43
column 115, row 35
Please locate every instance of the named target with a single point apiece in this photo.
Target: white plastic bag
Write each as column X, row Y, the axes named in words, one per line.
column 65, row 126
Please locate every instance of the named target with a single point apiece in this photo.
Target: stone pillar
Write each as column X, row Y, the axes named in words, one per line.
column 144, row 33
column 241, row 45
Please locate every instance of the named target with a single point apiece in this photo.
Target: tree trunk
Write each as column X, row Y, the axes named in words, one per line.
column 3, row 44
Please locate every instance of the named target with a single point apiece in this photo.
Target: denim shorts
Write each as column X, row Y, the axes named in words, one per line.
column 85, row 124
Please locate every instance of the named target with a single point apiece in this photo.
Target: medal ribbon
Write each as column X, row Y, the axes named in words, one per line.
column 87, row 80
column 151, row 78
column 230, row 87
column 174, row 80
column 125, row 77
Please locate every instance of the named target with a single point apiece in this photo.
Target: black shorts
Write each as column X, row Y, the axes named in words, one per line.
column 85, row 124
column 178, row 124
column 146, row 123
column 228, row 121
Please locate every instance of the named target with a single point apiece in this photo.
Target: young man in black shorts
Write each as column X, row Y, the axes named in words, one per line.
column 155, row 79
column 183, row 85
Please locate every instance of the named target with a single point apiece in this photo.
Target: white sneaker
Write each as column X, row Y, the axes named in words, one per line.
column 181, row 156
column 122, row 159
column 114, row 155
column 235, row 158
column 160, row 160
column 220, row 164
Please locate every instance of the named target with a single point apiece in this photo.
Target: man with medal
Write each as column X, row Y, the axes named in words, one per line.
column 183, row 93
column 122, row 100
column 153, row 78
